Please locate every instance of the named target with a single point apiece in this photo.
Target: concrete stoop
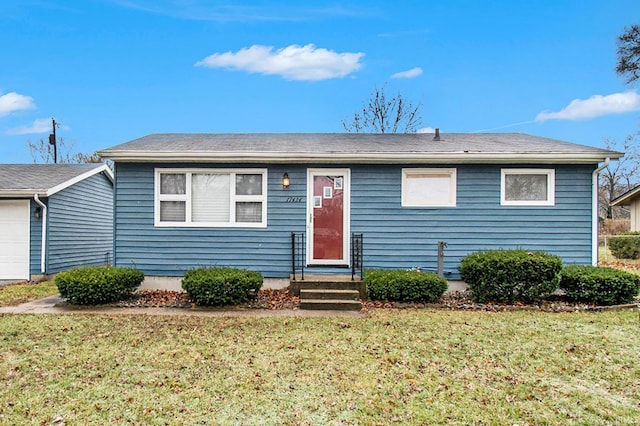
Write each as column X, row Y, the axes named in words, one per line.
column 335, row 293
column 330, row 299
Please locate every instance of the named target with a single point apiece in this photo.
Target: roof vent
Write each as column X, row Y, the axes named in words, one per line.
column 437, row 136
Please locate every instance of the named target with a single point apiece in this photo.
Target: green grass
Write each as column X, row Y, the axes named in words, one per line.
column 15, row 294
column 410, row 367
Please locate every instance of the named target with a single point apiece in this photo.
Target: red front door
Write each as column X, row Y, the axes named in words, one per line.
column 328, row 230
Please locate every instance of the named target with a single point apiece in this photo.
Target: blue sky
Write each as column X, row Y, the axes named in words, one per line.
column 113, row 70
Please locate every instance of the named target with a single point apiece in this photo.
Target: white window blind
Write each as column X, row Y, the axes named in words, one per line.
column 210, row 198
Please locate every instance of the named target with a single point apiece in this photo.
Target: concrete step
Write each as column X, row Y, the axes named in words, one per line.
column 331, row 304
column 329, row 294
column 326, row 282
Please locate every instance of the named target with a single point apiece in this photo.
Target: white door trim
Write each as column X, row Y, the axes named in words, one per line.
column 346, row 212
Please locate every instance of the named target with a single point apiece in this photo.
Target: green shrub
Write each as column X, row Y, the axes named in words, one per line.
column 94, row 285
column 408, row 286
column 600, row 286
column 221, row 286
column 508, row 276
column 625, row 245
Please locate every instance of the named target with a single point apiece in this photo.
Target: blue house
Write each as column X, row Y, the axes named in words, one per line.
column 54, row 217
column 274, row 202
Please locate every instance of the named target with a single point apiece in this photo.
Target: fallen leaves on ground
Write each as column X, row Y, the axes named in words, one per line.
column 274, row 299
column 264, row 299
column 617, row 264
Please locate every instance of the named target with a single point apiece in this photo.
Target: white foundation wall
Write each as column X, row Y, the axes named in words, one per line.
column 175, row 284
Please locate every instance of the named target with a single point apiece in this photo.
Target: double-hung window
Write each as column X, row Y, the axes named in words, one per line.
column 429, row 187
column 528, row 187
column 211, row 197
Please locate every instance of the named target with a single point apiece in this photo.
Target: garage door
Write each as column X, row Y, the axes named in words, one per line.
column 14, row 240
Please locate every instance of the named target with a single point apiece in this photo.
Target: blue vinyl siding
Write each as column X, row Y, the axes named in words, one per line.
column 80, row 227
column 397, row 237
column 394, row 237
column 35, row 235
column 166, row 251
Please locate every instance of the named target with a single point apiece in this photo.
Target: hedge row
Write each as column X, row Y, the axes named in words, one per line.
column 625, row 245
column 600, row 286
column 492, row 276
column 507, row 276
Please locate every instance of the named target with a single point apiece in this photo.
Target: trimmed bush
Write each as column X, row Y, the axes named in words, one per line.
column 407, row 286
column 508, row 276
column 625, row 245
column 94, row 285
column 598, row 285
column 221, row 286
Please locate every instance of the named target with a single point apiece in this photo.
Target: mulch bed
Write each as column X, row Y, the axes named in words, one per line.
column 280, row 299
column 265, row 299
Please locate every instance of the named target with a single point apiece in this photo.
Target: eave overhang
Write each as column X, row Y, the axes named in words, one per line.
column 22, row 193
column 626, row 198
column 288, row 157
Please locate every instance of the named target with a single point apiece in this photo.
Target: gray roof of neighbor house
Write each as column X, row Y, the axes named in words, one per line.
column 20, row 180
column 626, row 198
column 354, row 148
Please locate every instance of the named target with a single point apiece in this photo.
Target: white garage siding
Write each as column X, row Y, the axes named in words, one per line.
column 14, row 239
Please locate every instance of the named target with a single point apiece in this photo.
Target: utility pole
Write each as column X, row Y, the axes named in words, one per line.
column 52, row 141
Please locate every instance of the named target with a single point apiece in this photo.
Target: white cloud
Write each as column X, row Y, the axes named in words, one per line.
column 292, row 62
column 13, row 101
column 595, row 106
column 40, row 125
column 412, row 73
column 426, row 130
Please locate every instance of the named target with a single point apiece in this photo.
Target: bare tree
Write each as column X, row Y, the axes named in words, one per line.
column 382, row 114
column 629, row 53
column 42, row 152
column 619, row 177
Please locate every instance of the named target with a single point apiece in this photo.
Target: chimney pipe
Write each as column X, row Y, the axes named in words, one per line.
column 437, row 136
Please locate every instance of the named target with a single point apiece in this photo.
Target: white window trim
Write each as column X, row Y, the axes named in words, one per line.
column 431, row 171
column 551, row 187
column 187, row 198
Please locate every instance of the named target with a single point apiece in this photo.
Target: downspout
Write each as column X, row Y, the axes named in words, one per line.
column 43, row 248
column 594, row 212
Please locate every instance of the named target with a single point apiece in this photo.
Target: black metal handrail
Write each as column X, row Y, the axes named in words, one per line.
column 297, row 254
column 356, row 256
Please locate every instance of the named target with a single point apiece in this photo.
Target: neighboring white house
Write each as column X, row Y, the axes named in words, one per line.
column 630, row 198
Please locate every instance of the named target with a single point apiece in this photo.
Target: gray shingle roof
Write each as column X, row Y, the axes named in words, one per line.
column 29, row 179
column 343, row 147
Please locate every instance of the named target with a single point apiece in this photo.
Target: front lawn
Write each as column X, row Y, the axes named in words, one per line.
column 14, row 294
column 395, row 367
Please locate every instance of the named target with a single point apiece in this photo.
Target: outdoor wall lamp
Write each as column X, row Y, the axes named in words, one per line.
column 37, row 212
column 286, row 181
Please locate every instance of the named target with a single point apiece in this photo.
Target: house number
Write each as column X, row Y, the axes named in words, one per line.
column 294, row 199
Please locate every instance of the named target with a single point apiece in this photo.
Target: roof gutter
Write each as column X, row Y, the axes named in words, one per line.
column 279, row 157
column 43, row 247
column 594, row 212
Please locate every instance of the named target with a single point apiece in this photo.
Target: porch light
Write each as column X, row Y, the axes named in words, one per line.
column 37, row 212
column 285, row 181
